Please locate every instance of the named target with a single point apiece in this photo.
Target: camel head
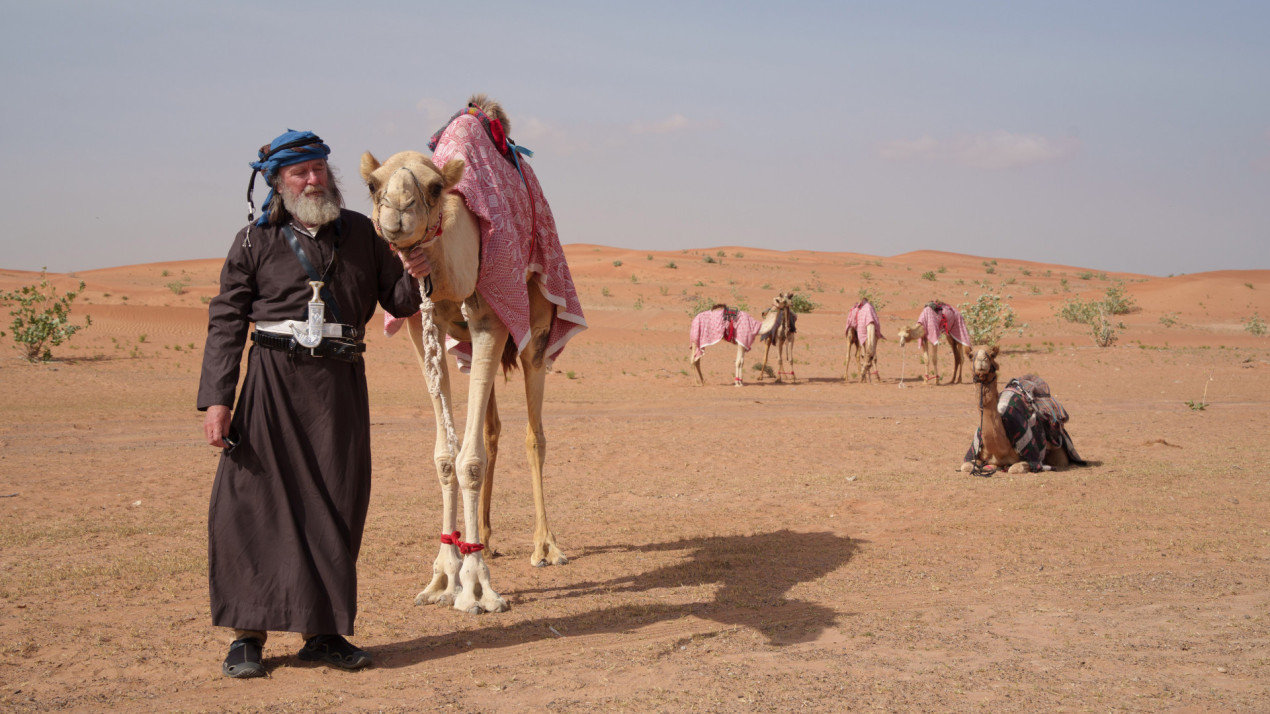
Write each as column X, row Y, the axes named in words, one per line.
column 983, row 364
column 406, row 193
column 907, row 333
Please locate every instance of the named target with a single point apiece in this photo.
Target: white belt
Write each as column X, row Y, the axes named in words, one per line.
column 290, row 328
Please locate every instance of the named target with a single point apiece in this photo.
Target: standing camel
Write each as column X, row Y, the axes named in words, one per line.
column 1020, row 427
column 500, row 287
column 721, row 322
column 864, row 329
column 938, row 319
column 779, row 327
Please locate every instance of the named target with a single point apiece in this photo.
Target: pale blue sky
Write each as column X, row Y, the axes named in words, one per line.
column 1127, row 136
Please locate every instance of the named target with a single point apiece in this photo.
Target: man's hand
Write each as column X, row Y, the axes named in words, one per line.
column 415, row 261
column 216, row 425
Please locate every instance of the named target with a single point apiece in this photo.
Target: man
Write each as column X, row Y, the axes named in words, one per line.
column 289, row 501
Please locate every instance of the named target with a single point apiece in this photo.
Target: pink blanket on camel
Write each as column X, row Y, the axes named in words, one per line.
column 944, row 321
column 709, row 327
column 511, row 248
column 861, row 316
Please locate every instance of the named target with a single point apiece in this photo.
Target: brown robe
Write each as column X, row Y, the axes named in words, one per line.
column 289, row 502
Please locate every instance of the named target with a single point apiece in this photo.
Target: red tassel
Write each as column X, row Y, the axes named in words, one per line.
column 450, row 538
column 467, row 548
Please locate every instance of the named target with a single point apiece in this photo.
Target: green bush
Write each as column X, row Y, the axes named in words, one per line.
column 801, row 303
column 988, row 318
column 41, row 319
column 872, row 297
column 929, row 275
column 1097, row 315
column 1255, row 325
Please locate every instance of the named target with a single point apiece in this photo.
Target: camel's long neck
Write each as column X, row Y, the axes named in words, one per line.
column 995, row 441
column 454, row 257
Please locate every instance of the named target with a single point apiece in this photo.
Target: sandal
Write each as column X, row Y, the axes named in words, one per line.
column 243, row 660
column 334, row 650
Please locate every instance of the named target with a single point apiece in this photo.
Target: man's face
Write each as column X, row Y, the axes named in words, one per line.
column 304, row 177
column 307, row 193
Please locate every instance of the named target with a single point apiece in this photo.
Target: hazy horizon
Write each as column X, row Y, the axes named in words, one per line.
column 1125, row 137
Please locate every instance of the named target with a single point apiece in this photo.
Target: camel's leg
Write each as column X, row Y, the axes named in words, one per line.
column 789, row 346
column 763, row 373
column 1020, row 468
column 443, row 587
column 852, row 352
column 868, row 355
column 533, row 362
column 488, row 338
column 932, row 362
column 738, row 374
column 957, row 360
column 698, row 379
column 493, row 427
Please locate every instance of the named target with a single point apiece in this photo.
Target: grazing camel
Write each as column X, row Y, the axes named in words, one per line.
column 863, row 330
column 1020, row 427
column 499, row 282
column 721, row 323
column 938, row 319
column 779, row 327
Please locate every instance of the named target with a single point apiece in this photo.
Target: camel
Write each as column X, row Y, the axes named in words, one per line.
column 1021, row 427
column 863, row 330
column 936, row 320
column 721, row 322
column 527, row 312
column 779, row 327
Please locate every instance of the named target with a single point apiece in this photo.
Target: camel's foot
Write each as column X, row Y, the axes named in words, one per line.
column 547, row 554
column 967, row 467
column 736, row 382
column 1019, row 468
column 444, row 586
column 477, row 595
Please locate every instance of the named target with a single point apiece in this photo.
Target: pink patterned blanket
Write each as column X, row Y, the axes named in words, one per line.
column 710, row 327
column 938, row 323
column 511, row 248
column 861, row 316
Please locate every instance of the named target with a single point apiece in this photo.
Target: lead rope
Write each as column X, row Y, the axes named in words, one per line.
column 979, row 467
column 432, row 357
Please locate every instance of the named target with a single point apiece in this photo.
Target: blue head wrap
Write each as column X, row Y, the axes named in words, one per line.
column 293, row 147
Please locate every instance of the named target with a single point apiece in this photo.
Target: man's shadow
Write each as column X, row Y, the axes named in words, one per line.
column 753, row 574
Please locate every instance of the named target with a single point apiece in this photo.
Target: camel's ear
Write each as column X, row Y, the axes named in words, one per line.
column 994, row 351
column 452, row 173
column 369, row 165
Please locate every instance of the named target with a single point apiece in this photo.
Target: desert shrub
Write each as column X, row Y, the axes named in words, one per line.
column 700, row 304
column 872, row 297
column 1085, row 275
column 1118, row 300
column 708, row 259
column 605, row 291
column 41, row 318
column 1168, row 319
column 988, row 318
column 929, row 275
column 1255, row 325
column 617, row 264
column 178, row 286
column 801, row 303
column 1096, row 314
column 720, row 253
column 672, row 265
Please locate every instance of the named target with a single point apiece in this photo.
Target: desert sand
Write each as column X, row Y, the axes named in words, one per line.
column 807, row 546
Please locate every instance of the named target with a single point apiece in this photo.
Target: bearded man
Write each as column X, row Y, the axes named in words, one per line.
column 289, row 501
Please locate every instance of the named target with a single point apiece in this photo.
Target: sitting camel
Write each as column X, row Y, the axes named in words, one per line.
column 721, row 322
column 864, row 329
column 779, row 327
column 1021, row 427
column 938, row 319
column 499, row 282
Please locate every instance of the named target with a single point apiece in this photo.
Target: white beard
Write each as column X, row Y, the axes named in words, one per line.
column 315, row 208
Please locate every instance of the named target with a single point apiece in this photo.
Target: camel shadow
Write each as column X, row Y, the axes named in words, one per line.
column 753, row 574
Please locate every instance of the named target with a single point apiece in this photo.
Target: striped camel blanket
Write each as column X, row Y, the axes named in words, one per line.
column 518, row 240
column 722, row 324
column 860, row 317
column 1033, row 421
column 939, row 319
